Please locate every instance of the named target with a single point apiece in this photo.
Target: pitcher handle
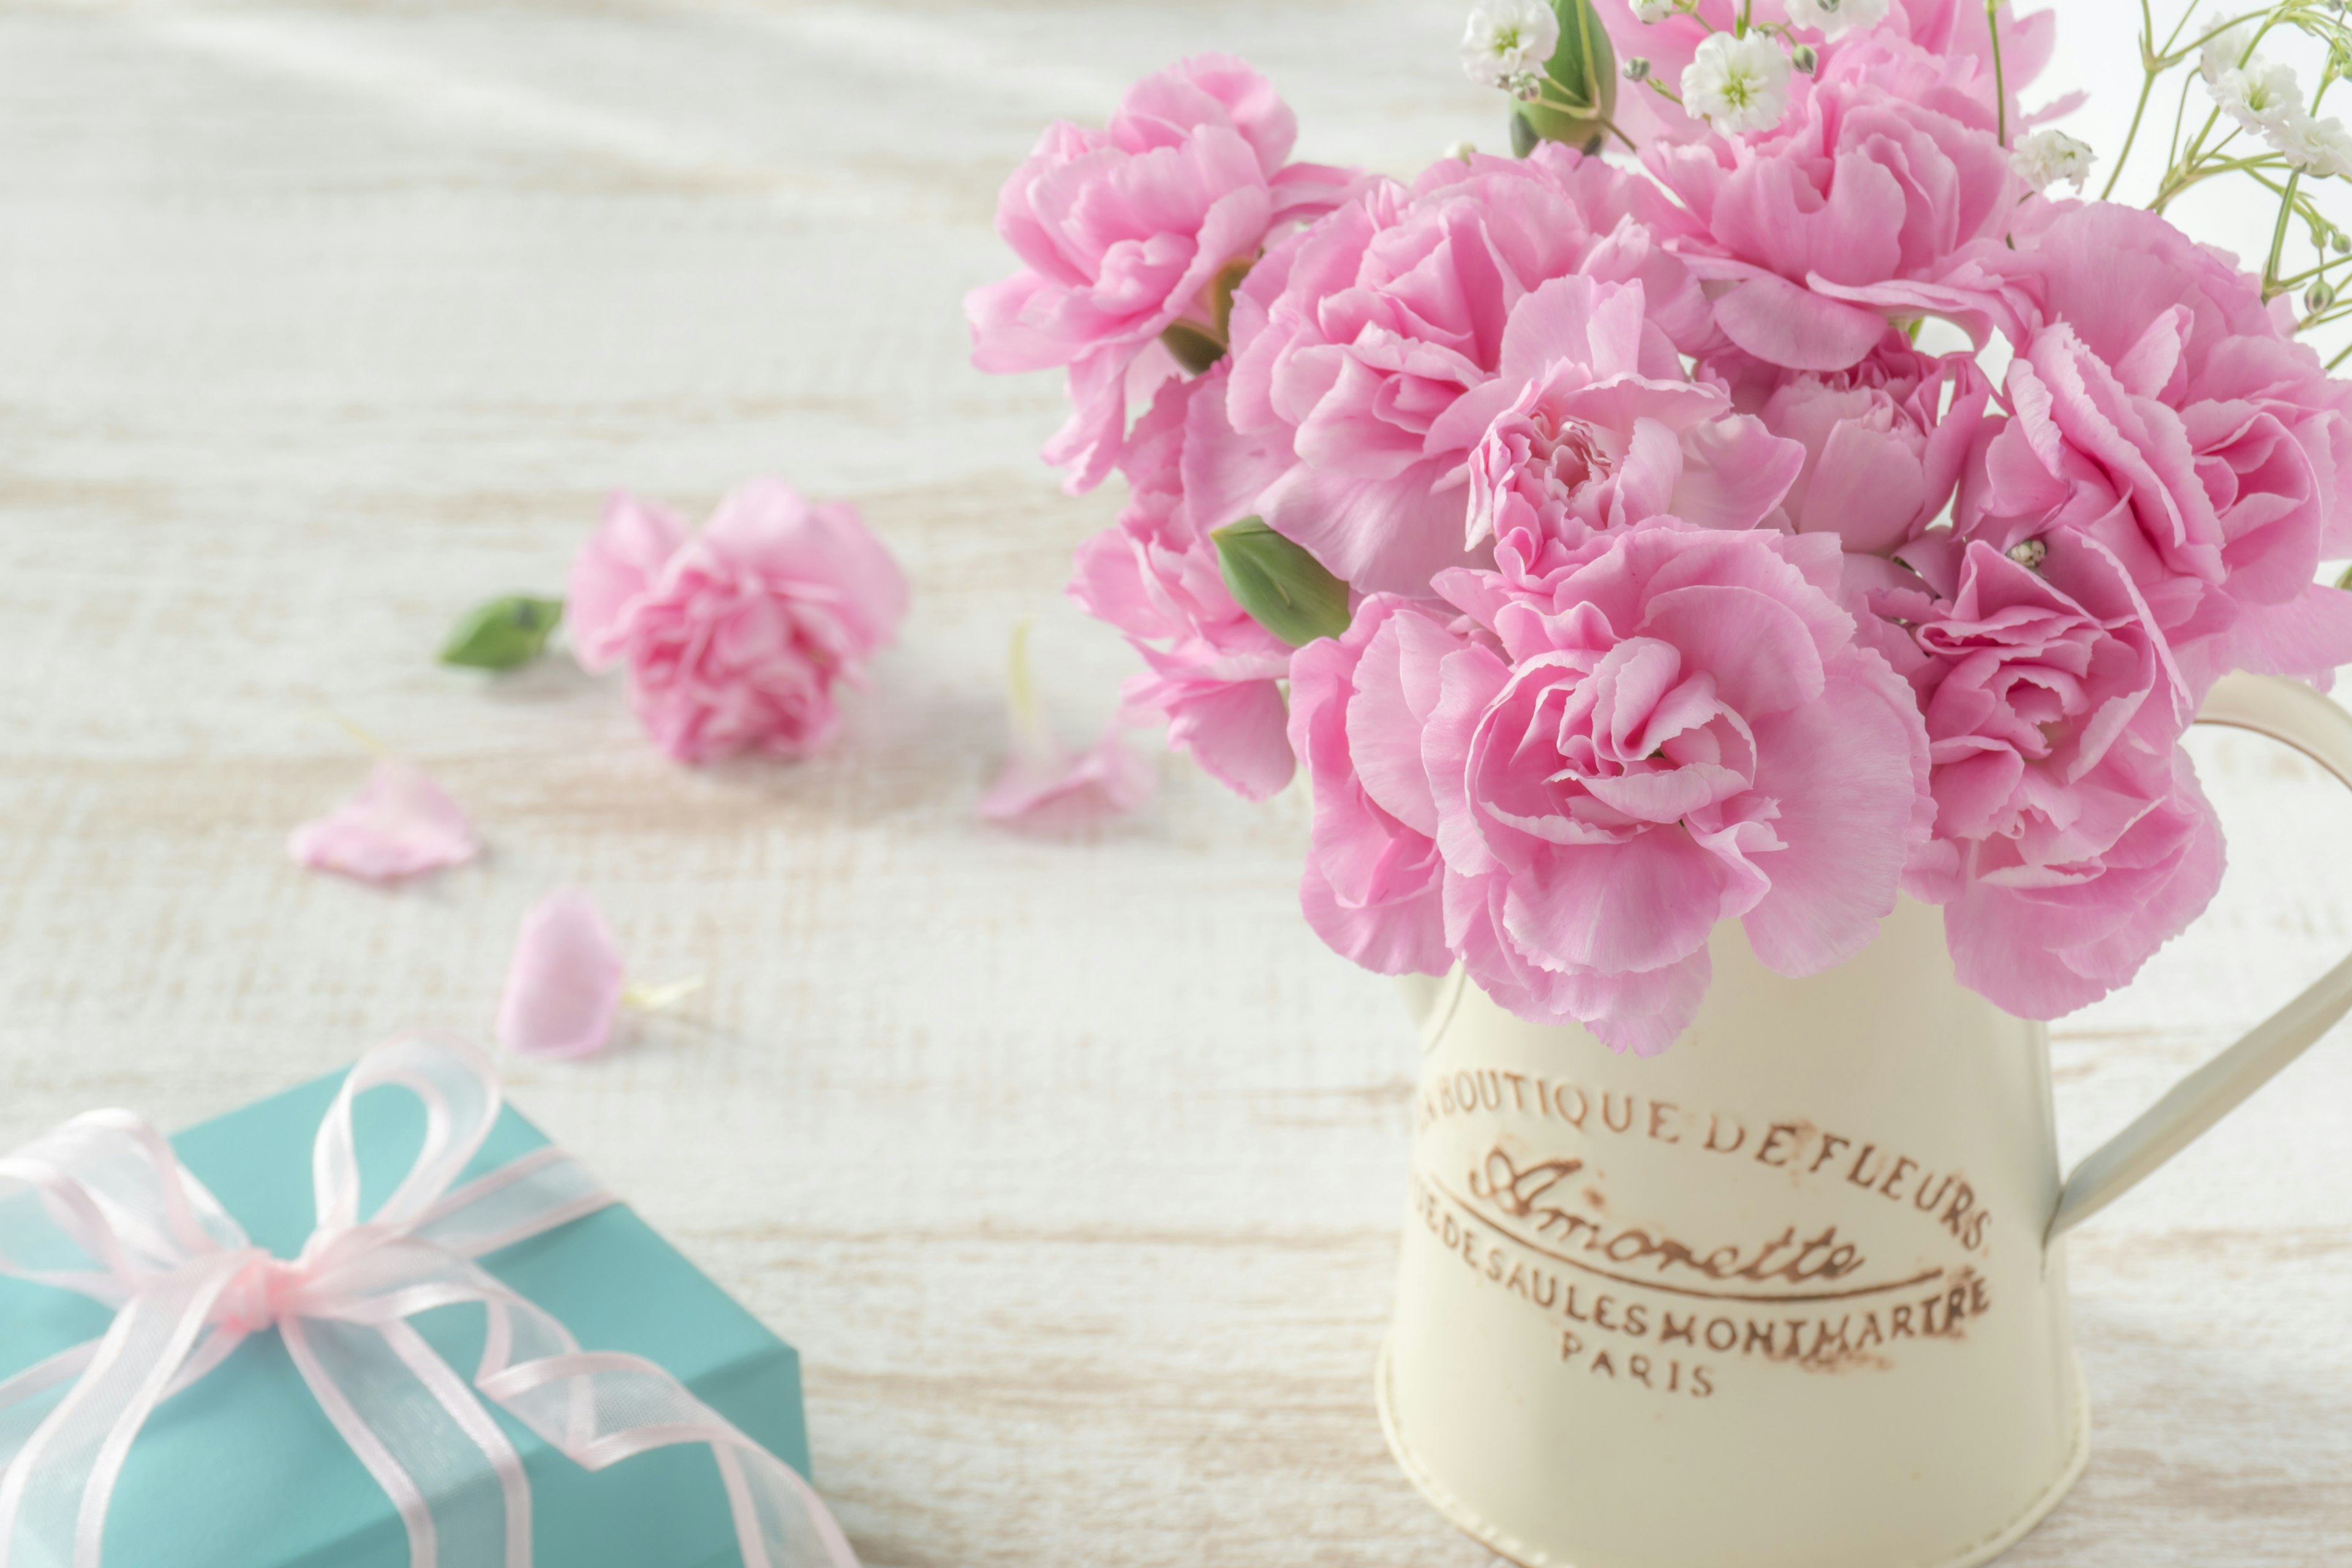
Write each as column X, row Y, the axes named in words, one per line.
column 2285, row 710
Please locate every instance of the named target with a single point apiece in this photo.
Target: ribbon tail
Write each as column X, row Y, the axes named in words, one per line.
column 23, row 1407
column 362, row 1436
column 780, row 1520
column 54, row 1495
column 777, row 1506
column 446, row 1386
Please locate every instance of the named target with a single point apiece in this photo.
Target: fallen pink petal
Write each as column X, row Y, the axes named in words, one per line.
column 1108, row 779
column 1044, row 779
column 563, row 989
column 397, row 824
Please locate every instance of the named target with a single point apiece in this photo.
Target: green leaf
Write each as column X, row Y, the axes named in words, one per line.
column 1285, row 590
column 503, row 633
column 1196, row 350
column 1197, row 347
column 1584, row 69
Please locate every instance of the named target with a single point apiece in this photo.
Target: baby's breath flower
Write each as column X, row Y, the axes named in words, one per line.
column 1736, row 84
column 2258, row 95
column 2225, row 50
column 2321, row 147
column 1508, row 39
column 1835, row 16
column 2046, row 157
column 1653, row 10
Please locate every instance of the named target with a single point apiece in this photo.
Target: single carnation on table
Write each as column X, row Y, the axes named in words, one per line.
column 736, row 639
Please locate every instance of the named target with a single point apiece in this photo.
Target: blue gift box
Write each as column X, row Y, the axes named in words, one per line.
column 244, row 1470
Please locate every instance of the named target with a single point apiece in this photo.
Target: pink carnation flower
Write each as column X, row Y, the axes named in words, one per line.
column 1373, row 349
column 2070, row 837
column 735, row 640
column 1682, row 729
column 1214, row 673
column 1123, row 230
column 1609, row 433
column 1886, row 166
column 2158, row 410
column 1374, row 883
column 1885, row 439
column 1954, row 29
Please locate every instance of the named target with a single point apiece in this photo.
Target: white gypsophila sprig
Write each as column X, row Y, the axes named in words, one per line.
column 1508, row 39
column 2322, row 147
column 1736, row 85
column 1653, row 10
column 2047, row 157
column 2259, row 95
column 1834, row 17
column 2223, row 51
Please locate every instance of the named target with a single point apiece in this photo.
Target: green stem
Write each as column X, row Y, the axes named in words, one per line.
column 2146, row 86
column 2278, row 235
column 2000, row 92
column 2298, row 279
column 2340, row 353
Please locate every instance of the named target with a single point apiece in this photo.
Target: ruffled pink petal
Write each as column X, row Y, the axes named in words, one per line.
column 617, row 566
column 1776, row 319
column 1108, row 779
column 564, row 988
column 398, row 824
column 1850, row 773
column 1236, row 730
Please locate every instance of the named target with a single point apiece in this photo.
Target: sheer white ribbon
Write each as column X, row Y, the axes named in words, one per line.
column 101, row 1205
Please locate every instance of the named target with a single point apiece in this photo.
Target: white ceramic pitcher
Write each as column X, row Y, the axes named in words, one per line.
column 1791, row 1295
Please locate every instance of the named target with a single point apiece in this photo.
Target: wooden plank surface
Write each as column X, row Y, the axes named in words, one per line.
column 1075, row 1167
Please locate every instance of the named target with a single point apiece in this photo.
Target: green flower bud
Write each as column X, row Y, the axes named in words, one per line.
column 1584, row 73
column 2318, row 296
column 1285, row 590
column 1805, row 59
column 1637, row 69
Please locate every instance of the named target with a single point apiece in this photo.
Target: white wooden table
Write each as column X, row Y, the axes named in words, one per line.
column 1075, row 1169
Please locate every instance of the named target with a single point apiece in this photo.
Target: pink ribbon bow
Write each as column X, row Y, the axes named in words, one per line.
column 105, row 1191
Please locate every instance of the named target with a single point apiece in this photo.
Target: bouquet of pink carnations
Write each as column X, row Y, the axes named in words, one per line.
column 1599, row 531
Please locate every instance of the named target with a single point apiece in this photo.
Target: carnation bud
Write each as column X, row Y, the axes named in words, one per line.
column 1584, row 69
column 1804, row 58
column 1637, row 69
column 2318, row 296
column 2029, row 553
column 1281, row 588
